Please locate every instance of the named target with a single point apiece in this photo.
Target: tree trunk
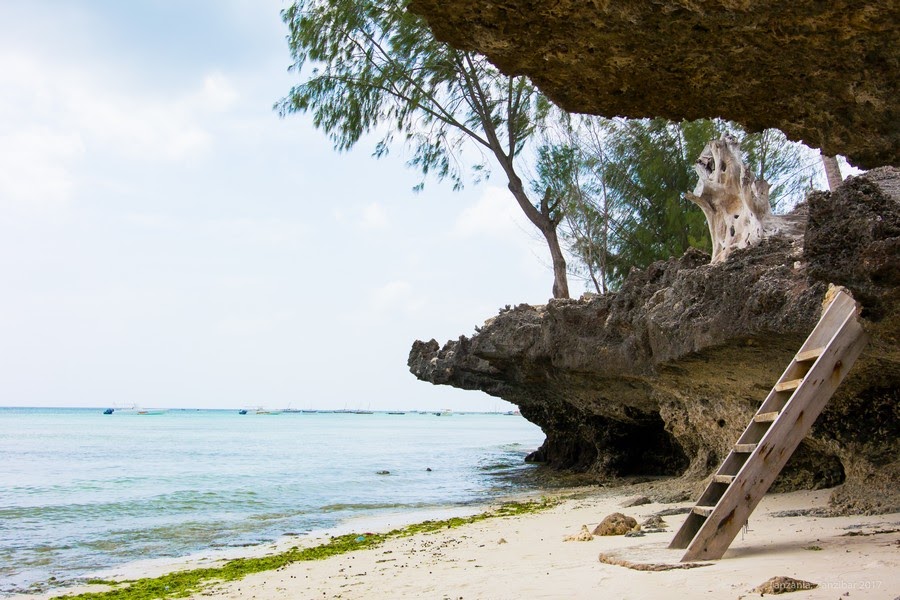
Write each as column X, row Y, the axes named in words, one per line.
column 546, row 225
column 560, row 276
column 832, row 171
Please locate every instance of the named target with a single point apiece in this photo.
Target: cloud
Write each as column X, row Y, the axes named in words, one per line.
column 370, row 217
column 153, row 222
column 37, row 167
column 165, row 129
column 53, row 115
column 271, row 232
column 374, row 217
column 495, row 214
column 396, row 296
column 217, row 94
column 253, row 325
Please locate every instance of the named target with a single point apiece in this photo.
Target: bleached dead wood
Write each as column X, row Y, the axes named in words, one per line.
column 735, row 203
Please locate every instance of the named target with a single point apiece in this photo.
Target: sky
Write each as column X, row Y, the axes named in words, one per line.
column 167, row 240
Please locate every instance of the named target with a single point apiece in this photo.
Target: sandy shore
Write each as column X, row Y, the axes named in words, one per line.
column 535, row 562
column 526, row 557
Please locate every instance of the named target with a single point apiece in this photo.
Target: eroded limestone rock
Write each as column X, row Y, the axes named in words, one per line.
column 662, row 376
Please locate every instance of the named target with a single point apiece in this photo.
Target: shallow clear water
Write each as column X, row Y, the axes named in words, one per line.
column 81, row 491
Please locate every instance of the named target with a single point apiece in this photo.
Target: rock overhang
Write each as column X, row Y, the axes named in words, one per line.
column 825, row 73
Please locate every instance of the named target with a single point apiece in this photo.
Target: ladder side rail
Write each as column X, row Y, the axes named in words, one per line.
column 834, row 315
column 734, row 462
column 831, row 319
column 778, row 444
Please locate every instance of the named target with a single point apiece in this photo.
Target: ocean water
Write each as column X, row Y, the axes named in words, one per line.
column 81, row 492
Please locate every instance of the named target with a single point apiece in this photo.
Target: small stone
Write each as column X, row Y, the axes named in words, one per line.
column 636, row 501
column 783, row 585
column 582, row 536
column 615, row 524
column 501, row 541
column 654, row 524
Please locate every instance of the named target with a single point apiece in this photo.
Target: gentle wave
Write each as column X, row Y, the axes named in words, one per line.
column 365, row 506
column 85, row 492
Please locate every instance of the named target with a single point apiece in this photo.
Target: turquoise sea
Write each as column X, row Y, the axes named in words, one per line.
column 81, row 492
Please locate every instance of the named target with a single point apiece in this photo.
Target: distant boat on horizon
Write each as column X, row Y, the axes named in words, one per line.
column 134, row 409
column 444, row 413
column 151, row 411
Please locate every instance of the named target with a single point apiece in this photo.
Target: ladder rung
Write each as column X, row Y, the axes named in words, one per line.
column 765, row 417
column 809, row 355
column 723, row 478
column 786, row 386
column 744, row 448
column 703, row 511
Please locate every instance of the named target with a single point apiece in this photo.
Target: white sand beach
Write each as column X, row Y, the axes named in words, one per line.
column 526, row 557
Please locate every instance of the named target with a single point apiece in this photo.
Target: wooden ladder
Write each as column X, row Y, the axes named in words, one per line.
column 774, row 432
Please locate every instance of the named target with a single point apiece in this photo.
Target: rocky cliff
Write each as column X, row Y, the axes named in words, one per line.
column 822, row 72
column 662, row 376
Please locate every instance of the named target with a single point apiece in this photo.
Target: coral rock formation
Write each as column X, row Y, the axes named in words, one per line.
column 662, row 376
column 615, row 524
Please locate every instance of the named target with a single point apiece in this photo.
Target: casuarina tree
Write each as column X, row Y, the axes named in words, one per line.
column 371, row 67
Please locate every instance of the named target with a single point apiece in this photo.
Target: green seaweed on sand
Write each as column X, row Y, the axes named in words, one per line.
column 184, row 583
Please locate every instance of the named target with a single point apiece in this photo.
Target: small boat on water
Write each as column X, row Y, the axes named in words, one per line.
column 243, row 411
column 444, row 413
column 134, row 409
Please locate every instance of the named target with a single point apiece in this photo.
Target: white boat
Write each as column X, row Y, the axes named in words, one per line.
column 444, row 413
column 134, row 409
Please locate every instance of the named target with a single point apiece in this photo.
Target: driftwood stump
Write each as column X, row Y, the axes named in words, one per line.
column 735, row 203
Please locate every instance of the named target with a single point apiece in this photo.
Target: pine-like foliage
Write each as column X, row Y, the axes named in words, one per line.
column 624, row 182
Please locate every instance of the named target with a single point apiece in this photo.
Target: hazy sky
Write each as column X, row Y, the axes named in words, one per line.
column 167, row 240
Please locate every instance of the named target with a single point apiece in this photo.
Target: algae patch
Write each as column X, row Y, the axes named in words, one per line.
column 183, row 583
